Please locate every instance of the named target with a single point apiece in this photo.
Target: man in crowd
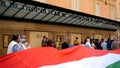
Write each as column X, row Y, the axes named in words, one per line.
column 23, row 42
column 115, row 44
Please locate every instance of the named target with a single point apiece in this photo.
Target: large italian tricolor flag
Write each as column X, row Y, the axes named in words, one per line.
column 75, row 57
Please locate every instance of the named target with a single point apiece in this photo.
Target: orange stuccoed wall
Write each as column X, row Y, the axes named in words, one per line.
column 88, row 6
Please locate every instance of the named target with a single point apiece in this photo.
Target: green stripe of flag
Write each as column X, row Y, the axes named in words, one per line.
column 114, row 65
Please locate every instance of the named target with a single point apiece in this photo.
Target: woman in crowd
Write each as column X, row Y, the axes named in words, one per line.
column 14, row 45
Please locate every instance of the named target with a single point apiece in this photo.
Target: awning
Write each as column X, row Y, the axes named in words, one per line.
column 37, row 12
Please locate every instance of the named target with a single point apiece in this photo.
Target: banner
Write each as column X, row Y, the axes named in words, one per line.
column 49, row 57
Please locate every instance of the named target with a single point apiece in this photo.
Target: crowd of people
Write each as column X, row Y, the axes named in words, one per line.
column 91, row 43
column 19, row 43
column 96, row 44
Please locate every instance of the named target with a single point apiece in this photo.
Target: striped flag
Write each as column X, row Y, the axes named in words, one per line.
column 75, row 57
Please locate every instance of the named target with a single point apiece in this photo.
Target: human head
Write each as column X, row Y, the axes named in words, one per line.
column 23, row 39
column 44, row 36
column 16, row 37
column 88, row 40
column 76, row 37
column 23, row 36
column 102, row 39
column 67, row 39
column 115, row 45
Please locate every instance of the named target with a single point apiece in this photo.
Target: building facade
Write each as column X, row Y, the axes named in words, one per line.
column 103, row 8
column 15, row 19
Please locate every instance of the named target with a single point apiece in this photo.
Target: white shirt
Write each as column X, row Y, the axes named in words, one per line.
column 10, row 47
column 87, row 44
column 104, row 45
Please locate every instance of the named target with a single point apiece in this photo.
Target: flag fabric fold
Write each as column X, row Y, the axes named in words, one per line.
column 91, row 62
column 48, row 57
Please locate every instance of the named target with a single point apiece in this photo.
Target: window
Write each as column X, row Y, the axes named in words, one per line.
column 40, row 0
column 75, row 5
column 97, row 9
column 112, row 13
